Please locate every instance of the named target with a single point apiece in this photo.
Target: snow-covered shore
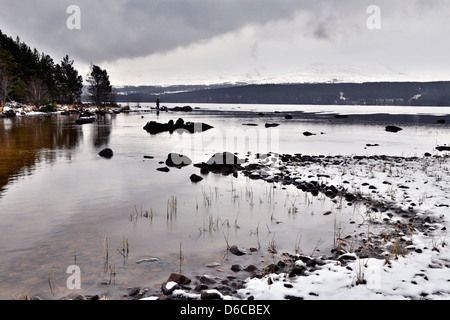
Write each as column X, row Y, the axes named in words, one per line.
column 407, row 209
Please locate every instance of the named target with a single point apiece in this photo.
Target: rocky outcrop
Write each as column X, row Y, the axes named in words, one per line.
column 222, row 162
column 154, row 127
column 177, row 160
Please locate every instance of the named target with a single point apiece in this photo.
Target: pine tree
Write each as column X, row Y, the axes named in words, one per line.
column 99, row 86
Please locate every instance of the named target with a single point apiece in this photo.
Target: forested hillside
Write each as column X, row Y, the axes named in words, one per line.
column 29, row 76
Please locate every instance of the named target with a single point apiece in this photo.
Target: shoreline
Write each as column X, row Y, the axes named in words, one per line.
column 406, row 236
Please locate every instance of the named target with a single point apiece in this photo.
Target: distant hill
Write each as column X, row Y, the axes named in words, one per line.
column 370, row 93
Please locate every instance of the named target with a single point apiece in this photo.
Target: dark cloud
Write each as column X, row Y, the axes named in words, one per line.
column 149, row 41
column 133, row 28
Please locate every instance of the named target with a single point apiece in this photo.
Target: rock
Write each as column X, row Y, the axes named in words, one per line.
column 147, row 260
column 222, row 162
column 296, row 271
column 154, row 127
column 308, row 134
column 224, row 158
column 183, row 109
column 347, row 257
column 293, row 298
column 341, row 116
column 106, row 153
column 237, row 250
column 288, row 117
column 179, row 279
column 250, row 124
column 443, row 148
column 134, row 291
column 349, row 197
column 163, row 169
column 393, row 129
column 207, row 279
column 200, row 287
column 195, row 178
column 211, row 295
column 169, row 287
column 204, row 170
column 251, row 268
column 213, row 265
column 177, row 160
column 270, row 125
column 235, row 268
column 441, row 121
column 149, row 157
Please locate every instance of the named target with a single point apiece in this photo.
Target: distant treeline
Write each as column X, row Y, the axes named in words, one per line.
column 28, row 76
column 370, row 93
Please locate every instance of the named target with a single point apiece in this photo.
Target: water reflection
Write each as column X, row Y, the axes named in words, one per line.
column 25, row 142
column 102, row 131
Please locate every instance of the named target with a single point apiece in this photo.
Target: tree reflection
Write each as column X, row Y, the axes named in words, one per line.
column 25, row 142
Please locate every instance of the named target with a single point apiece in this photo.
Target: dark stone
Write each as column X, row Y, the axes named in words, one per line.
column 308, row 134
column 235, row 268
column 443, row 148
column 154, row 127
column 272, row 268
column 296, row 271
column 204, row 170
column 179, row 279
column 237, row 251
column 134, row 292
column 393, row 129
column 106, row 153
column 251, row 268
column 195, row 178
column 205, row 295
column 270, row 125
column 441, row 121
column 200, row 287
column 169, row 291
column 223, row 162
column 207, row 280
column 349, row 197
column 177, row 160
column 182, row 109
column 347, row 257
column 291, row 297
column 163, row 169
column 288, row 117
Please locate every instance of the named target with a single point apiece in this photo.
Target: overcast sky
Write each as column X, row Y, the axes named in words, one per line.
column 158, row 42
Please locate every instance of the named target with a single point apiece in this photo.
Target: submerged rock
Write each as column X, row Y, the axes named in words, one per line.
column 106, row 153
column 393, row 129
column 195, row 178
column 154, row 127
column 443, row 148
column 237, row 250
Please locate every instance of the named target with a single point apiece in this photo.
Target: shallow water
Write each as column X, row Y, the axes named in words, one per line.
column 61, row 203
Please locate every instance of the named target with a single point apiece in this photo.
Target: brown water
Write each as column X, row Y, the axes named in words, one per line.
column 61, row 202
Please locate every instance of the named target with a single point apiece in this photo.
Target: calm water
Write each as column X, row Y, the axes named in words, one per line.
column 61, row 202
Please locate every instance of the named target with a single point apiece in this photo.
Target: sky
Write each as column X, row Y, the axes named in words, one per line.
column 164, row 42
